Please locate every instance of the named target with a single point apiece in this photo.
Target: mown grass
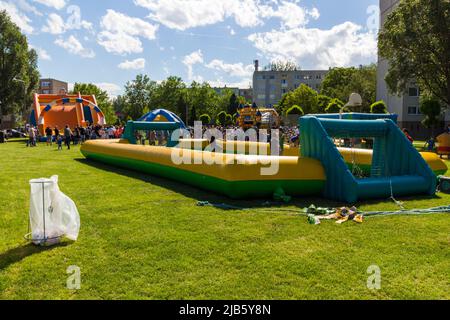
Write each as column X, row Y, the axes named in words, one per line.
column 144, row 237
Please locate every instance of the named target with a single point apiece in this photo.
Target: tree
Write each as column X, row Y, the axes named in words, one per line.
column 19, row 75
column 170, row 95
column 221, row 118
column 335, row 106
column 138, row 94
column 415, row 40
column 205, row 119
column 322, row 103
column 302, row 96
column 378, row 107
column 192, row 116
column 295, row 110
column 203, row 97
column 120, row 105
column 432, row 109
column 233, row 105
column 339, row 83
column 279, row 65
column 103, row 101
column 229, row 120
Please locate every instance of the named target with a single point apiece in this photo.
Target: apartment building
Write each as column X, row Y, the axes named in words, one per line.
column 269, row 86
column 52, row 86
column 407, row 105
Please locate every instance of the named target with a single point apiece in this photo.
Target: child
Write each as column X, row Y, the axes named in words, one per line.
column 59, row 139
column 430, row 145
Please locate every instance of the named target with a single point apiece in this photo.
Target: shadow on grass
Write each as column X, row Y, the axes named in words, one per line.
column 231, row 204
column 19, row 253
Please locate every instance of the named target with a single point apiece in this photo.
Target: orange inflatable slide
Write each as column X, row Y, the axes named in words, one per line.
column 53, row 110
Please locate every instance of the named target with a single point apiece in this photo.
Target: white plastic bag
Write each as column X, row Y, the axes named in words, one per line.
column 52, row 213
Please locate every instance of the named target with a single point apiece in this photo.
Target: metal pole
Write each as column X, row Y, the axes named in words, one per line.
column 43, row 208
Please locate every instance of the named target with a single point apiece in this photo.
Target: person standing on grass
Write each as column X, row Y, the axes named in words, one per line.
column 67, row 136
column 59, row 140
column 56, row 131
column 82, row 135
column 48, row 133
column 31, row 137
column 76, row 136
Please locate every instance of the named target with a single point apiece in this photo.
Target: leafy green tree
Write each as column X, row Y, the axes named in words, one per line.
column 432, row 109
column 233, row 105
column 335, row 106
column 103, row 101
column 415, row 39
column 339, row 83
column 229, row 120
column 120, row 104
column 378, row 107
column 19, row 75
column 294, row 110
column 323, row 102
column 169, row 95
column 203, row 97
column 193, row 115
column 221, row 118
column 138, row 94
column 303, row 96
column 205, row 119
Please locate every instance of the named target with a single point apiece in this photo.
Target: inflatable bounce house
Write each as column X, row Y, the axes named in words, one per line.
column 50, row 110
column 248, row 116
column 162, row 115
column 443, row 148
column 393, row 167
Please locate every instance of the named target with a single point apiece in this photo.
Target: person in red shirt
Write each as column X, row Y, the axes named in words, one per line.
column 408, row 136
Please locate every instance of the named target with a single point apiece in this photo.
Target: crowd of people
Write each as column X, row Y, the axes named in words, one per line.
column 71, row 136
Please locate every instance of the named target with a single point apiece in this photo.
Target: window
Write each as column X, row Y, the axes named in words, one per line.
column 46, row 91
column 413, row 92
column 318, row 77
column 284, row 81
column 45, row 84
column 272, row 77
column 261, row 96
column 283, row 91
column 412, row 110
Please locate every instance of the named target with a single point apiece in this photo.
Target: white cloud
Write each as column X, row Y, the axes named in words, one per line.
column 56, row 4
column 20, row 19
column 56, row 25
column 190, row 60
column 121, row 33
column 234, row 70
column 290, row 14
column 25, row 6
column 185, row 14
column 74, row 46
column 342, row 45
column 42, row 53
column 137, row 64
column 113, row 89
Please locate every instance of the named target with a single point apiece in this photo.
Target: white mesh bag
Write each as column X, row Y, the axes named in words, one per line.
column 52, row 213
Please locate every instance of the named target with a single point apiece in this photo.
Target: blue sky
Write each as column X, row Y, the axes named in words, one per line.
column 109, row 42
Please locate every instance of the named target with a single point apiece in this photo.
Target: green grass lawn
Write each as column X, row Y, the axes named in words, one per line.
column 143, row 237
